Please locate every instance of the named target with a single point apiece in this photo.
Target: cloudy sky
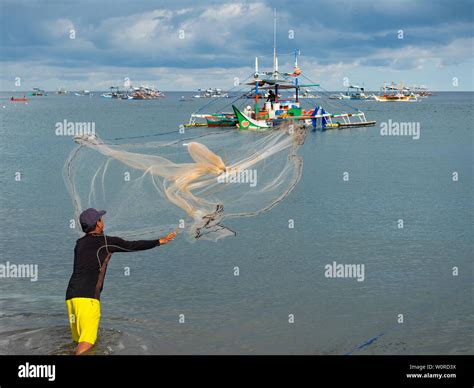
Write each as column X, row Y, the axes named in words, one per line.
column 185, row 45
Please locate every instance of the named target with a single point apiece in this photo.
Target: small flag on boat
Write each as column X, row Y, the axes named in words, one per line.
column 296, row 72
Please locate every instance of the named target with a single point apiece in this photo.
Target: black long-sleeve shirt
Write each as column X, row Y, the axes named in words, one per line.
column 91, row 257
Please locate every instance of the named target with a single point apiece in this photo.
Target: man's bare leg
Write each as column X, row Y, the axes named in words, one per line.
column 83, row 347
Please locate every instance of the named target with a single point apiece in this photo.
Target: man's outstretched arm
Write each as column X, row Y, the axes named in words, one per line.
column 117, row 244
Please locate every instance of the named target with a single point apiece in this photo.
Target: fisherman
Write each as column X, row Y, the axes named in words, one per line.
column 91, row 257
column 271, row 96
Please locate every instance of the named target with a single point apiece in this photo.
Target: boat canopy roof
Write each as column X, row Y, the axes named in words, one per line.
column 280, row 86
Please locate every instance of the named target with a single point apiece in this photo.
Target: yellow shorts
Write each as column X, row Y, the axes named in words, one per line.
column 84, row 317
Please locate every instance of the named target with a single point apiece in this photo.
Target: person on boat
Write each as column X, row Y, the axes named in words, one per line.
column 271, row 96
column 91, row 256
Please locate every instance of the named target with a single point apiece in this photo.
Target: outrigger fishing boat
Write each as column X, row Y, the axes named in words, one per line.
column 38, row 92
column 83, row 93
column 353, row 92
column 420, row 91
column 306, row 94
column 138, row 93
column 277, row 109
column 291, row 111
column 144, row 93
column 211, row 93
column 395, row 93
column 19, row 99
column 115, row 93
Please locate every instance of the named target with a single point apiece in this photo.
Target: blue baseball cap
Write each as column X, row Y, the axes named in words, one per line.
column 89, row 218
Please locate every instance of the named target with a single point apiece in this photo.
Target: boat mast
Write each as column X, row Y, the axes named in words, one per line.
column 296, row 78
column 275, row 57
column 256, row 86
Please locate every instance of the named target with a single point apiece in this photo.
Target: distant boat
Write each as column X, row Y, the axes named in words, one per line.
column 115, row 93
column 395, row 93
column 62, row 91
column 420, row 91
column 144, row 93
column 38, row 92
column 211, row 93
column 84, row 93
column 353, row 92
column 306, row 94
column 20, row 99
column 395, row 98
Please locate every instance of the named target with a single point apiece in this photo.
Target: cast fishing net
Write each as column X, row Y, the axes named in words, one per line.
column 189, row 184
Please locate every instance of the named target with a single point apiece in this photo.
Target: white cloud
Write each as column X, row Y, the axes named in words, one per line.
column 220, row 43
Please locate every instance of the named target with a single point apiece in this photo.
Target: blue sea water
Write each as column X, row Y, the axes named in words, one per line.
column 408, row 271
